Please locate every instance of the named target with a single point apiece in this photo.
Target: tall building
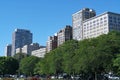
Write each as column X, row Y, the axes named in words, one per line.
column 18, row 50
column 93, row 26
column 101, row 24
column 77, row 21
column 39, row 53
column 51, row 43
column 8, row 50
column 20, row 37
column 29, row 48
column 64, row 35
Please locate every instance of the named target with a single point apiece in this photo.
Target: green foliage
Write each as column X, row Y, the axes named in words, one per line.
column 20, row 56
column 94, row 55
column 68, row 50
column 116, row 64
column 8, row 65
column 28, row 64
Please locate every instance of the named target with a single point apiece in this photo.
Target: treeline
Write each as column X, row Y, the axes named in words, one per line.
column 96, row 55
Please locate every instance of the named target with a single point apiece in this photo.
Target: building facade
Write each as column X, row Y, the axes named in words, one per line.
column 29, row 48
column 8, row 50
column 18, row 50
column 64, row 35
column 101, row 24
column 77, row 21
column 39, row 53
column 51, row 43
column 98, row 25
column 20, row 37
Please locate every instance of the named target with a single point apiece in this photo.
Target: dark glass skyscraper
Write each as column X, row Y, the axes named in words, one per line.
column 20, row 37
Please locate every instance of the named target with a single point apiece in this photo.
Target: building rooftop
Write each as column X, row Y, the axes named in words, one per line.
column 87, row 9
column 101, row 15
column 19, row 30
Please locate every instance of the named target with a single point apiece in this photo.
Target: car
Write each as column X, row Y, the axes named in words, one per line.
column 113, row 77
column 75, row 77
column 53, row 77
column 22, row 76
column 60, row 77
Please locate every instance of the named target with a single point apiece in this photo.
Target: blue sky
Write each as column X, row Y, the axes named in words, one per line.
column 44, row 17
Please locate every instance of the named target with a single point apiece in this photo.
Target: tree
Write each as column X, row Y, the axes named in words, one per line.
column 8, row 65
column 27, row 65
column 20, row 56
column 93, row 55
column 68, row 49
column 116, row 64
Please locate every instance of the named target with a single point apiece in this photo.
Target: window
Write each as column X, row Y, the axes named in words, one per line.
column 101, row 22
column 111, row 21
column 118, row 19
column 110, row 17
column 114, row 18
column 90, row 22
column 105, row 24
column 105, row 17
column 115, row 21
column 105, row 20
column 118, row 22
column 93, row 21
column 101, row 18
column 94, row 25
column 97, row 20
column 97, row 23
column 86, row 13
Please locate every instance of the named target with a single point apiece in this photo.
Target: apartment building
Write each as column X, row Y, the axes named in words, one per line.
column 18, row 50
column 29, row 48
column 77, row 21
column 64, row 35
column 39, row 53
column 98, row 25
column 51, row 43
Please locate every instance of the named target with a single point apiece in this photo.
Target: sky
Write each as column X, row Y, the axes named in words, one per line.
column 44, row 17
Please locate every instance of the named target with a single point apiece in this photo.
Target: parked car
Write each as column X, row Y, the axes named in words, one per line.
column 113, row 77
column 22, row 76
column 53, row 77
column 60, row 77
column 76, row 77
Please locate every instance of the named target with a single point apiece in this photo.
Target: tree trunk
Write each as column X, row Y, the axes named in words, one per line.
column 95, row 76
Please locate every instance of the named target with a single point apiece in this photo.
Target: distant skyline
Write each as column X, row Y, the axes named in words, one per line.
column 44, row 17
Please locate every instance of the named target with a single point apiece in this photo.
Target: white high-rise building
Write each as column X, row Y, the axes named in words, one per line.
column 39, row 53
column 94, row 26
column 101, row 24
column 77, row 22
